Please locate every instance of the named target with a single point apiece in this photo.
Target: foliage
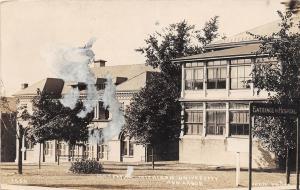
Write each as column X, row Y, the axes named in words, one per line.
column 281, row 80
column 51, row 120
column 153, row 116
column 86, row 167
column 177, row 40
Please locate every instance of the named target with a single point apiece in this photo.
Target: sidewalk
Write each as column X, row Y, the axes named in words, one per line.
column 286, row 187
column 19, row 187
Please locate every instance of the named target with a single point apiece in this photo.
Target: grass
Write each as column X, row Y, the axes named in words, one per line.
column 167, row 175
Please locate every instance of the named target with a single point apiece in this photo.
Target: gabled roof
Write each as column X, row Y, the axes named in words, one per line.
column 246, row 50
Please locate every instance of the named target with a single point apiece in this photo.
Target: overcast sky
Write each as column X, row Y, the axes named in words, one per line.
column 29, row 27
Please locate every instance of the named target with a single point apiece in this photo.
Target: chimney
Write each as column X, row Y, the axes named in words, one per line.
column 99, row 63
column 24, row 85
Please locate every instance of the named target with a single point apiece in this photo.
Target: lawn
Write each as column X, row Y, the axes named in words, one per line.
column 167, row 175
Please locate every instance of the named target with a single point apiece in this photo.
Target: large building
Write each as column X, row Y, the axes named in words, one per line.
column 215, row 101
column 129, row 79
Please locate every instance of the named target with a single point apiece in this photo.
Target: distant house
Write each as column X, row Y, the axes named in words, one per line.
column 129, row 79
column 7, row 129
column 215, row 101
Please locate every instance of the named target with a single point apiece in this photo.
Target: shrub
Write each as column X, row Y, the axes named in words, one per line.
column 86, row 167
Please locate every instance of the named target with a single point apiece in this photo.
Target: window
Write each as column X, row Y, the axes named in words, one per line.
column 127, row 146
column 216, row 74
column 122, row 107
column 101, row 151
column 193, row 118
column 62, row 149
column 193, row 122
column 88, row 150
column 124, row 147
column 28, row 144
column 215, row 105
column 216, row 121
column 239, row 118
column 100, row 112
column 239, row 105
column 240, row 70
column 194, row 79
column 130, row 148
column 194, row 64
column 239, row 123
column 48, row 148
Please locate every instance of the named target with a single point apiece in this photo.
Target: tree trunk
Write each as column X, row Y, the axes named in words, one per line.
column 58, row 151
column 287, row 166
column 40, row 155
column 152, row 158
column 20, row 157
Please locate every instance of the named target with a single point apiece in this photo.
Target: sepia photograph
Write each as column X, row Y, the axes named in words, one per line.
column 149, row 94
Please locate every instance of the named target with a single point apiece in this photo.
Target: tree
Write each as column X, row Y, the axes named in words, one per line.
column 281, row 80
column 52, row 121
column 20, row 114
column 178, row 40
column 153, row 117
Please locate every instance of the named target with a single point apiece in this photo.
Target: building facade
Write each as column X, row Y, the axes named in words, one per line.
column 129, row 79
column 215, row 100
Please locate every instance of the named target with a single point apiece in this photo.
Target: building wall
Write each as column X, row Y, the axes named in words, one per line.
column 218, row 149
column 217, row 152
column 112, row 148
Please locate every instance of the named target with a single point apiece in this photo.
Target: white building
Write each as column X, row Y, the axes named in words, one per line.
column 215, row 102
column 129, row 79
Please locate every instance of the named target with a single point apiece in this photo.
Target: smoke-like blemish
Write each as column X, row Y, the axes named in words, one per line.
column 114, row 107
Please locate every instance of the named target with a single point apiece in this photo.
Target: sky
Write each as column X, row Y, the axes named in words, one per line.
column 29, row 27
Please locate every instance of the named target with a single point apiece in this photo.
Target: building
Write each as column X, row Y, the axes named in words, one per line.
column 129, row 79
column 7, row 129
column 215, row 101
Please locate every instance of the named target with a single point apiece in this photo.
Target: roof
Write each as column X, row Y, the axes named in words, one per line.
column 135, row 83
column 245, row 37
column 48, row 85
column 134, row 76
column 246, row 50
column 128, row 71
